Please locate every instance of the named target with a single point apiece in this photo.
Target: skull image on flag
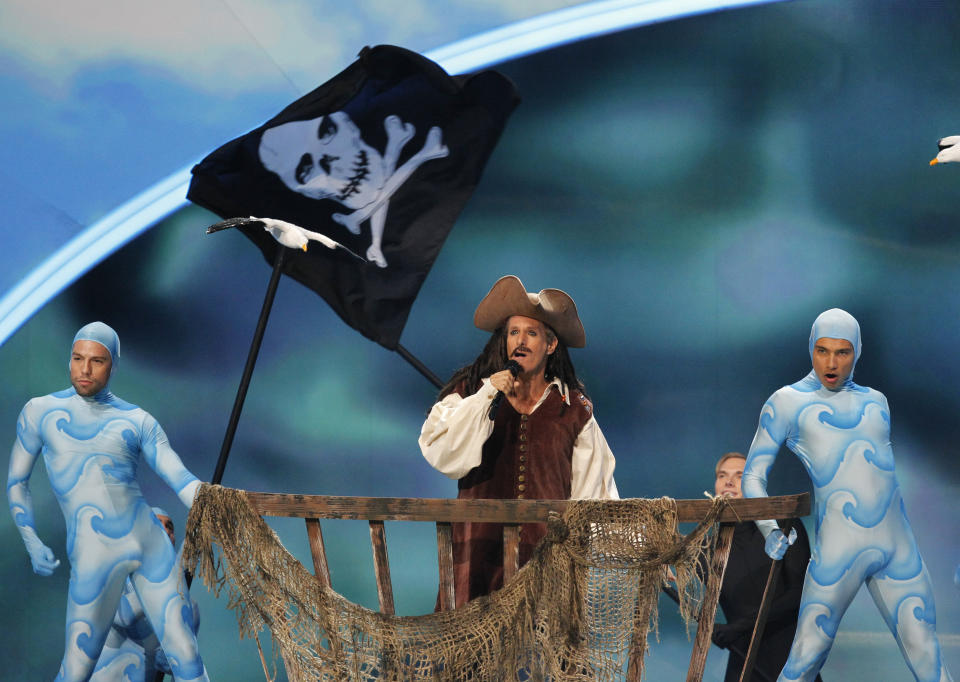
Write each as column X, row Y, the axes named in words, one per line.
column 382, row 158
column 326, row 158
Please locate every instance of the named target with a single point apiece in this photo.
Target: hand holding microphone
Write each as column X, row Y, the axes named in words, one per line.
column 503, row 381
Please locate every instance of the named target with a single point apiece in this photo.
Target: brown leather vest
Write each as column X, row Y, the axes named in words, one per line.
column 526, row 456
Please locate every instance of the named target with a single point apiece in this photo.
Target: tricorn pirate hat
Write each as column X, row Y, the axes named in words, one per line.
column 551, row 306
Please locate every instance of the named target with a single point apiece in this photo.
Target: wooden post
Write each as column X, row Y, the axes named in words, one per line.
column 701, row 644
column 445, row 566
column 381, row 567
column 641, row 624
column 321, row 568
column 511, row 551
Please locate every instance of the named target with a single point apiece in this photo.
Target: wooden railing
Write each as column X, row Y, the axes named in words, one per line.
column 511, row 513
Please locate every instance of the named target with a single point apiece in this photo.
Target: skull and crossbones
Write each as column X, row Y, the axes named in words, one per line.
column 327, row 158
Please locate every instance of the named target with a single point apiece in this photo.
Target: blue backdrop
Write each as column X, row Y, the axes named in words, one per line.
column 701, row 187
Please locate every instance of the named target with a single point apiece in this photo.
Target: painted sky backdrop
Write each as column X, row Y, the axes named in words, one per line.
column 703, row 188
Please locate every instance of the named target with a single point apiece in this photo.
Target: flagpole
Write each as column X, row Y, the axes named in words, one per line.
column 244, row 385
column 419, row 366
column 248, row 369
column 248, row 373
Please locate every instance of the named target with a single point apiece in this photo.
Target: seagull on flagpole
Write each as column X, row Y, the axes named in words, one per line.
column 290, row 235
column 949, row 150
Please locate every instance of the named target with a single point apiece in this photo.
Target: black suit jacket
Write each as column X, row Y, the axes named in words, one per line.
column 742, row 591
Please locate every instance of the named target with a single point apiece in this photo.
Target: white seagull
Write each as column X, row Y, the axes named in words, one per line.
column 290, row 235
column 949, row 150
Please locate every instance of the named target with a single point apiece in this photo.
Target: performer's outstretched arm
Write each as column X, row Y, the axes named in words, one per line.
column 772, row 432
column 163, row 460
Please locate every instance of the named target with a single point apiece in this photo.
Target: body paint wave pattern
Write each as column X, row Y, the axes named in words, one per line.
column 92, row 448
column 862, row 532
column 130, row 653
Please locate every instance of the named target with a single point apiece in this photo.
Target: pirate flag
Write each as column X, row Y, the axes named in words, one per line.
column 382, row 158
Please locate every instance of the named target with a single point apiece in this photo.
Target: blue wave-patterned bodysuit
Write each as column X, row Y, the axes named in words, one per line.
column 91, row 447
column 130, row 652
column 862, row 532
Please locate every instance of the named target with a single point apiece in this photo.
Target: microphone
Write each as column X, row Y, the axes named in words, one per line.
column 514, row 368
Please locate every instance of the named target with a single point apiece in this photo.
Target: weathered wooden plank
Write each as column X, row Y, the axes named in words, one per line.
column 701, row 643
column 445, row 565
column 404, row 509
column 747, row 509
column 321, row 568
column 497, row 511
column 511, row 551
column 381, row 567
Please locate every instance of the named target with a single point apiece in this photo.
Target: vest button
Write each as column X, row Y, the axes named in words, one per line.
column 521, row 487
column 520, row 496
column 520, row 478
column 523, row 448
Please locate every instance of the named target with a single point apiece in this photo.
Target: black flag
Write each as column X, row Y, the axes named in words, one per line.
column 382, row 158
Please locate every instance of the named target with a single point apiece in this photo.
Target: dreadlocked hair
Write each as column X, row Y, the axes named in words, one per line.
column 492, row 359
column 560, row 366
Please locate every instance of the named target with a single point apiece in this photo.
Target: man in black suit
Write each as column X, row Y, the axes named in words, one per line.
column 743, row 584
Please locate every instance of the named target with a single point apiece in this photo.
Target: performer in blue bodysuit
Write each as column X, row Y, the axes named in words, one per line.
column 91, row 443
column 841, row 433
column 132, row 651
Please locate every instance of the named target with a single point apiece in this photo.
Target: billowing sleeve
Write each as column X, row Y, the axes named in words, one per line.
column 163, row 460
column 453, row 435
column 771, row 434
column 592, row 466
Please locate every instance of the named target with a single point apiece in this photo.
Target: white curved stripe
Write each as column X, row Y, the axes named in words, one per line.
column 89, row 247
column 139, row 214
column 568, row 25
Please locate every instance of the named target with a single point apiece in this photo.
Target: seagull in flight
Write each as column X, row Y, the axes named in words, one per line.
column 949, row 150
column 290, row 235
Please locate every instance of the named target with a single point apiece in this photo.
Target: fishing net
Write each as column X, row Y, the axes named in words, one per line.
column 582, row 608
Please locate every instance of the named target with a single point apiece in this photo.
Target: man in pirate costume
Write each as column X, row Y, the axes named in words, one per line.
column 516, row 431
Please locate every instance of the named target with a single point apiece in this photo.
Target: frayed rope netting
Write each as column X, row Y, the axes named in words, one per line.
column 581, row 609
